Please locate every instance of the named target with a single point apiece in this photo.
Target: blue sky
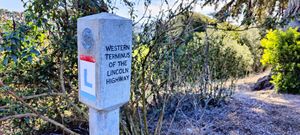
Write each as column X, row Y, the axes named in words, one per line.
column 12, row 5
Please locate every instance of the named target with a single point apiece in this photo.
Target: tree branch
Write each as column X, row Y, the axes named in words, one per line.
column 36, row 114
column 42, row 95
column 18, row 116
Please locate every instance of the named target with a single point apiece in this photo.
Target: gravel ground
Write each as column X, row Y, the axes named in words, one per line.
column 262, row 113
column 246, row 113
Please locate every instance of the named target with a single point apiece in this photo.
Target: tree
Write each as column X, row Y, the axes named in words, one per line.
column 282, row 51
column 262, row 12
column 280, row 47
column 166, row 56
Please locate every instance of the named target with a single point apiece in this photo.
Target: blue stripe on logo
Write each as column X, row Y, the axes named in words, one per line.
column 87, row 96
column 86, row 83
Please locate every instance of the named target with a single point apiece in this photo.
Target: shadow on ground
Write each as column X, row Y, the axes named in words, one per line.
column 247, row 112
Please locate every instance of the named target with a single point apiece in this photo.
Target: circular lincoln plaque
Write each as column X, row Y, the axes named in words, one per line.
column 87, row 38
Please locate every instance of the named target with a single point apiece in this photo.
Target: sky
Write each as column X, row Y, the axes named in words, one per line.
column 17, row 5
column 12, row 5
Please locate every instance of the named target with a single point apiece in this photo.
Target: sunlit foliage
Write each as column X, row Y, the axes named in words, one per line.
column 282, row 51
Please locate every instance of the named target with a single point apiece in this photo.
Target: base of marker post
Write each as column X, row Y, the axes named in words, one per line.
column 104, row 122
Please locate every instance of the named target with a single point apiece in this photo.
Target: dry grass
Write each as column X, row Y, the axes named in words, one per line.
column 252, row 78
column 247, row 112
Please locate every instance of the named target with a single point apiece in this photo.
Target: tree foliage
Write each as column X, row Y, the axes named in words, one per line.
column 170, row 54
column 266, row 13
column 282, row 51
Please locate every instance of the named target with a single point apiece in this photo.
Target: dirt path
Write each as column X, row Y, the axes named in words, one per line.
column 267, row 96
column 259, row 112
column 246, row 113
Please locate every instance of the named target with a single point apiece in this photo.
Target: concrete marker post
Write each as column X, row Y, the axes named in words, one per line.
column 104, row 69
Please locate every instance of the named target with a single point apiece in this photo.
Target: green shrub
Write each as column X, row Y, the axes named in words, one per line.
column 282, row 52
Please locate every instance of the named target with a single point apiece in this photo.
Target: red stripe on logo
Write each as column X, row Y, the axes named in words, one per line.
column 87, row 58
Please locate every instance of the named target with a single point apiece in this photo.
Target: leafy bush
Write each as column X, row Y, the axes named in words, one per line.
column 168, row 58
column 282, row 52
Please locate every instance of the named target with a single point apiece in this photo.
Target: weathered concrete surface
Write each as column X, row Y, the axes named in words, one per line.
column 104, row 122
column 104, row 69
column 107, row 38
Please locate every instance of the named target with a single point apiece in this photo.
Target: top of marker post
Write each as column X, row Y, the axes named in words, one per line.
column 103, row 16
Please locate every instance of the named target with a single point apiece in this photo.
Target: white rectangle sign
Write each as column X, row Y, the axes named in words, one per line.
column 87, row 75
